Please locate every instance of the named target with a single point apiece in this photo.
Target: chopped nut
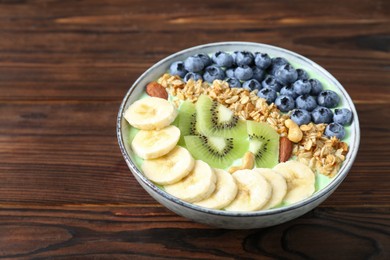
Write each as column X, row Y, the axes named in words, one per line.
column 248, row 162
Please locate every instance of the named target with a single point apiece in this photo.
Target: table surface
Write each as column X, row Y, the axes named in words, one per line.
column 65, row 190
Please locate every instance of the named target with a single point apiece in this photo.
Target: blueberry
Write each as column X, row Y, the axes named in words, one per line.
column 258, row 74
column 306, row 102
column 243, row 72
column 301, row 116
column 342, row 116
column 262, row 60
column 212, row 73
column 222, row 59
column 302, row 74
column 194, row 64
column 233, row 82
column 230, row 73
column 322, row 115
column 268, row 94
column 286, row 74
column 302, row 86
column 205, row 59
column 244, row 58
column 284, row 103
column 288, row 91
column 328, row 98
column 316, row 87
column 192, row 75
column 271, row 82
column 177, row 68
column 335, row 129
column 276, row 64
column 251, row 84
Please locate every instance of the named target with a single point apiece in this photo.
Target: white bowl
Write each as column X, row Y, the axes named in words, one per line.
column 226, row 219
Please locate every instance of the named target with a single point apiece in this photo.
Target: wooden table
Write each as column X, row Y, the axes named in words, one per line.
column 65, row 190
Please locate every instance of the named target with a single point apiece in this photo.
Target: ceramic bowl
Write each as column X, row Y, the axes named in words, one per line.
column 220, row 218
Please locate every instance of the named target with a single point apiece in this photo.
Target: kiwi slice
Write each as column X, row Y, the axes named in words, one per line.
column 186, row 121
column 218, row 152
column 263, row 143
column 214, row 119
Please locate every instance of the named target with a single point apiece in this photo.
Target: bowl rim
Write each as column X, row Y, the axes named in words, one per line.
column 326, row 191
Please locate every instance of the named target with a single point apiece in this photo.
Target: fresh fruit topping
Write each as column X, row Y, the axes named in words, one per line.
column 294, row 132
column 248, row 162
column 243, row 72
column 316, row 87
column 222, row 59
column 278, row 184
column 300, row 180
column 218, row 152
column 214, row 119
column 285, row 149
column 230, row 73
column 187, row 120
column 262, row 60
column 233, row 82
column 212, row 73
column 177, row 68
column 277, row 62
column 300, row 116
column 302, row 74
column 286, row 74
column 285, row 103
column 150, row 113
column 196, row 186
column 328, row 98
column 205, row 59
column 192, row 75
column 251, row 85
column 288, row 91
column 302, row 87
column 194, row 64
column 335, row 129
column 244, row 58
column 263, row 143
column 322, row 115
column 169, row 168
column 154, row 89
column 258, row 74
column 342, row 116
column 151, row 144
column 268, row 94
column 306, row 102
column 254, row 191
column 271, row 82
column 225, row 191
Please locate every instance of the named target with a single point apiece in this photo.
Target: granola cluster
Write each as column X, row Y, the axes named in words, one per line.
column 319, row 152
column 315, row 149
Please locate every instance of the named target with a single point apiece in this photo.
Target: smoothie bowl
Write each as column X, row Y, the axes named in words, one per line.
column 238, row 135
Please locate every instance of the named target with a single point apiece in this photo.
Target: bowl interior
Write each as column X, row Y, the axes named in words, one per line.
column 298, row 61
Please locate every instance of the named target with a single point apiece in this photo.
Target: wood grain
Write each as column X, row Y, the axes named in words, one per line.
column 65, row 190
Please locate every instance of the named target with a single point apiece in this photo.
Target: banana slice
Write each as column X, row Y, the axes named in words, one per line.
column 169, row 168
column 279, row 186
column 151, row 144
column 197, row 186
column 150, row 113
column 300, row 180
column 254, row 191
column 225, row 191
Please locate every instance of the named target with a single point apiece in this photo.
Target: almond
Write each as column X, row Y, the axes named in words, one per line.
column 154, row 89
column 285, row 149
